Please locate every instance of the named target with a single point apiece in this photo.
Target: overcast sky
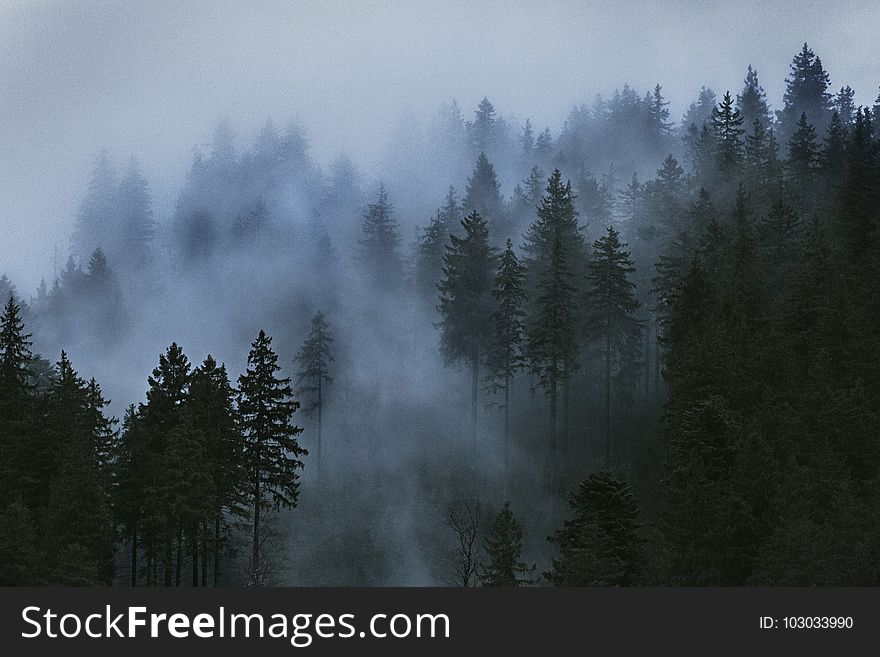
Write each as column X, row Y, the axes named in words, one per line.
column 151, row 78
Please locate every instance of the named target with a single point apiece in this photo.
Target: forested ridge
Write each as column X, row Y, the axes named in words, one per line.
column 634, row 352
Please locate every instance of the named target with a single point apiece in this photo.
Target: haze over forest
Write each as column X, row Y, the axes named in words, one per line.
column 612, row 267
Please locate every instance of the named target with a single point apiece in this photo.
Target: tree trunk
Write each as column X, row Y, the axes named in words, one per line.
column 475, row 389
column 168, row 559
column 255, row 557
column 217, row 551
column 506, row 430
column 179, row 561
column 657, row 379
column 553, row 375
column 134, row 556
column 195, row 556
column 608, row 397
column 565, row 416
column 320, row 386
column 204, row 554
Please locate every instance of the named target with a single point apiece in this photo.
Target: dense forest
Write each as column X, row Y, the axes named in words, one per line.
column 635, row 351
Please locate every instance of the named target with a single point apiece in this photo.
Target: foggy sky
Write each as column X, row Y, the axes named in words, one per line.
column 151, row 79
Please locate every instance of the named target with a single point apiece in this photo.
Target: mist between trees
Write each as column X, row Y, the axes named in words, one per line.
column 653, row 342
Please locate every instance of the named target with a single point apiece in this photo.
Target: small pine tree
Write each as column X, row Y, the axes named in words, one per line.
column 503, row 549
column 600, row 545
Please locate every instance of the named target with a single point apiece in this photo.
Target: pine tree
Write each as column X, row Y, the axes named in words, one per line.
column 15, row 401
column 483, row 131
column 503, row 548
column 466, row 303
column 314, row 360
column 483, row 196
column 801, row 165
column 553, row 254
column 429, row 257
column 658, row 116
column 211, row 410
column 752, row 101
column 96, row 215
column 844, row 105
column 806, row 92
column 380, row 243
column 727, row 127
column 613, row 321
column 600, row 545
column 266, row 407
column 136, row 228
column 161, row 415
column 505, row 354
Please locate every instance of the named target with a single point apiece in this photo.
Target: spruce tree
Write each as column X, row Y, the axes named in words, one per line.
column 314, row 360
column 614, row 325
column 16, row 402
column 211, row 410
column 801, row 165
column 727, row 126
column 505, row 354
column 806, row 92
column 600, row 544
column 752, row 101
column 503, row 549
column 483, row 196
column 272, row 453
column 466, row 303
column 554, row 249
column 379, row 244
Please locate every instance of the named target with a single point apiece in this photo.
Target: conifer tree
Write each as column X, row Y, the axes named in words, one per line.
column 136, row 228
column 379, row 244
column 466, row 303
column 483, row 130
column 554, row 248
column 613, row 322
column 727, row 126
column 752, row 101
column 600, row 544
column 806, row 92
column 211, row 410
column 503, row 548
column 15, row 400
column 483, row 196
column 96, row 214
column 272, row 453
column 314, row 360
column 505, row 354
column 844, row 105
column 801, row 164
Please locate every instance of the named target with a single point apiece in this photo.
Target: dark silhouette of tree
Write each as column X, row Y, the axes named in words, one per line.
column 266, row 407
column 466, row 303
column 806, row 92
column 505, row 354
column 727, row 127
column 483, row 196
column 600, row 544
column 314, row 360
column 553, row 247
column 752, row 101
column 379, row 244
column 503, row 549
column 614, row 325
